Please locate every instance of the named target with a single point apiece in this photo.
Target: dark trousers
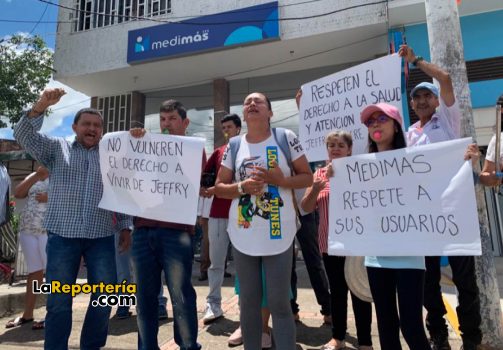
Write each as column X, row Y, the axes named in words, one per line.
column 463, row 276
column 307, row 236
column 406, row 284
column 334, row 265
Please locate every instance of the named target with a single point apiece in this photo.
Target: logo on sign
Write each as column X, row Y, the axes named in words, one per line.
column 142, row 44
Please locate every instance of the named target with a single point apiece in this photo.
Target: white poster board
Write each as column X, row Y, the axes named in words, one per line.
column 335, row 102
column 416, row 201
column 155, row 177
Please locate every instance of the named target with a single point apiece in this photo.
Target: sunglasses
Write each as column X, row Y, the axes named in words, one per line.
column 381, row 119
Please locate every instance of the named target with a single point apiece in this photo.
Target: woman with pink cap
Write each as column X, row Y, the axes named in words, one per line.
column 394, row 277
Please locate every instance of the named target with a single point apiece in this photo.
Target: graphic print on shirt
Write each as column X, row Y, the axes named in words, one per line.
column 266, row 206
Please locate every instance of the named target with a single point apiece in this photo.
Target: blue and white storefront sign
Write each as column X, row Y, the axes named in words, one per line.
column 237, row 27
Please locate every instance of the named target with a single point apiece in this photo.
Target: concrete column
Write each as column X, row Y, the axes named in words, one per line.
column 446, row 49
column 221, row 106
column 137, row 110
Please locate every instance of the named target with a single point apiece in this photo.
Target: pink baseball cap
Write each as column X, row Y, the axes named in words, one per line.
column 390, row 110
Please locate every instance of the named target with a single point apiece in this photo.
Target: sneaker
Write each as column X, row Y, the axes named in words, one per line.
column 266, row 340
column 236, row 338
column 212, row 313
column 334, row 345
column 162, row 313
column 123, row 313
column 440, row 343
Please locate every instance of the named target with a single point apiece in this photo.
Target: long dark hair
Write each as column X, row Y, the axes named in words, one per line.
column 398, row 139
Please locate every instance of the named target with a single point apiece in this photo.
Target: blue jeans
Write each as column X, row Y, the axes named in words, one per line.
column 123, row 271
column 169, row 250
column 122, row 260
column 63, row 262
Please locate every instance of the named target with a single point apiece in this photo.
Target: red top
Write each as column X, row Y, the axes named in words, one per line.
column 322, row 204
column 220, row 206
column 143, row 222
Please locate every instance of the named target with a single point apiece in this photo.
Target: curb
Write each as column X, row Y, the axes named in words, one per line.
column 14, row 302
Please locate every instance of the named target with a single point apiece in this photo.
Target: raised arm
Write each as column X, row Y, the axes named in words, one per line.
column 433, row 71
column 26, row 131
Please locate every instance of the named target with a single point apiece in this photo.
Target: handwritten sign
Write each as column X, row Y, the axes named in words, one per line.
column 411, row 202
column 335, row 102
column 155, row 177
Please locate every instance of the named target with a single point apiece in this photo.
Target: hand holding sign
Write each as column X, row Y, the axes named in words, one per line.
column 137, row 132
column 319, row 184
column 472, row 153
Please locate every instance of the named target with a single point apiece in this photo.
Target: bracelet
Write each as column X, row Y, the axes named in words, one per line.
column 240, row 188
column 417, row 60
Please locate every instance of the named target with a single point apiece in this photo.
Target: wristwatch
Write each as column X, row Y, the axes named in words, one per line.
column 417, row 60
column 240, row 188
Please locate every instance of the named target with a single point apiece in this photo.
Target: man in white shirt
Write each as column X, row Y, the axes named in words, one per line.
column 439, row 120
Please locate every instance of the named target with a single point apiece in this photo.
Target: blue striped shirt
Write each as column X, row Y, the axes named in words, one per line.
column 75, row 186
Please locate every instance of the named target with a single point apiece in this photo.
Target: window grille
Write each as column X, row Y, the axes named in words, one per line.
column 90, row 14
column 116, row 112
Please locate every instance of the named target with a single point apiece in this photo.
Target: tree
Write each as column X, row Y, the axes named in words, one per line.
column 25, row 69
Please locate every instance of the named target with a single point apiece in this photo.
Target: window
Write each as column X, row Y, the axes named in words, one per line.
column 116, row 112
column 90, row 14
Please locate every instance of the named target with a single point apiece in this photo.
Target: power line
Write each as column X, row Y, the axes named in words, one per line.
column 38, row 22
column 279, row 121
column 70, row 105
column 129, row 17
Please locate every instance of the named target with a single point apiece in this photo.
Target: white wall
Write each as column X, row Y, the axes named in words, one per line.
column 103, row 49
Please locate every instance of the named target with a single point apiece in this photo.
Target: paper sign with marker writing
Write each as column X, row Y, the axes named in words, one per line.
column 417, row 201
column 154, row 177
column 335, row 102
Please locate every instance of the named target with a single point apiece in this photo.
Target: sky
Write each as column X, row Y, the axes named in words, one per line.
column 60, row 121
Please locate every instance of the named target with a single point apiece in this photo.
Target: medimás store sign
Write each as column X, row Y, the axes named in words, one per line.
column 237, row 27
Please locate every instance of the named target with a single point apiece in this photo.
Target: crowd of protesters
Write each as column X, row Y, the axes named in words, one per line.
column 239, row 175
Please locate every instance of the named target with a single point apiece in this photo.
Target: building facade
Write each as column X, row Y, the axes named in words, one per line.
column 130, row 55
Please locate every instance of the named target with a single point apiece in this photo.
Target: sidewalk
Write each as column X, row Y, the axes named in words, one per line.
column 311, row 333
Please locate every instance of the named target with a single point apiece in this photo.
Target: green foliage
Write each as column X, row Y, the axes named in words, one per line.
column 25, row 69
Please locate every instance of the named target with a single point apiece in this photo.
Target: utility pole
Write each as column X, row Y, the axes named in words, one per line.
column 446, row 49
